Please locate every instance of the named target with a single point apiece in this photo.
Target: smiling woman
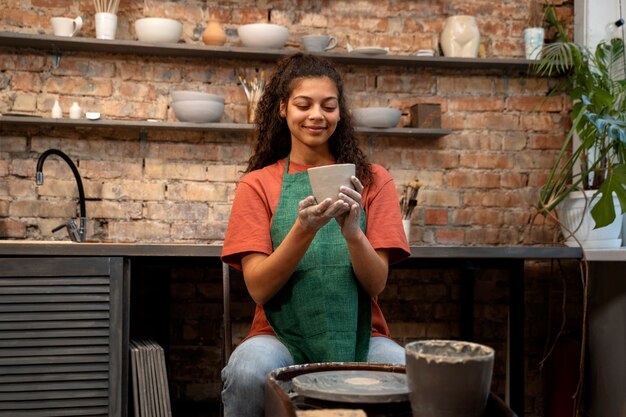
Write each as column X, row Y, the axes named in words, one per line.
column 314, row 268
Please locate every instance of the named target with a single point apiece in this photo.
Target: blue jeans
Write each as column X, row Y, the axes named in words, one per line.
column 244, row 376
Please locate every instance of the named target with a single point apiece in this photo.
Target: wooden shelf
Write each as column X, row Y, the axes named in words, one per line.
column 213, row 127
column 57, row 45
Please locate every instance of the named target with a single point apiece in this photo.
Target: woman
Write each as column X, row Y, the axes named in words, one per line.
column 314, row 269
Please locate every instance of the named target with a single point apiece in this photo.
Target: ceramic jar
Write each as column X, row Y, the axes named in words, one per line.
column 533, row 42
column 214, row 33
column 56, row 112
column 75, row 111
column 460, row 37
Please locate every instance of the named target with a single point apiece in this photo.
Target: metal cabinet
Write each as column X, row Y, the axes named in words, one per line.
column 62, row 332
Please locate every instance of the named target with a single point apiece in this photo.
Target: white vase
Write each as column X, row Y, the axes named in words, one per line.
column 572, row 209
column 460, row 37
column 533, row 42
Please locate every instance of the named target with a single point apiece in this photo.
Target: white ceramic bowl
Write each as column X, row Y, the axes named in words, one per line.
column 198, row 111
column 325, row 180
column 180, row 95
column 263, row 35
column 158, row 30
column 376, row 117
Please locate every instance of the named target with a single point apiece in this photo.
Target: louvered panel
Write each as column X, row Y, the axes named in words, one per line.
column 49, row 360
column 54, row 298
column 58, row 404
column 60, row 337
column 64, row 412
column 43, row 334
column 64, row 281
column 61, row 393
column 76, row 376
column 86, row 411
column 58, row 385
column 86, row 341
column 60, row 306
column 66, row 315
column 54, row 368
column 54, row 351
column 76, row 324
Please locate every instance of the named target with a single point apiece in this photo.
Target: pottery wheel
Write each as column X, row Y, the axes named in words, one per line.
column 358, row 386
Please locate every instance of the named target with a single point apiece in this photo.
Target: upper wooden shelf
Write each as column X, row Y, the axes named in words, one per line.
column 214, row 127
column 57, row 45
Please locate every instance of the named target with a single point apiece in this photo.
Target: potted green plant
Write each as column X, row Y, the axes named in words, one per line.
column 595, row 81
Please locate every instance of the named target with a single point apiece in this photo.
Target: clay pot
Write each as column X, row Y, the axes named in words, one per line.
column 214, row 33
column 448, row 378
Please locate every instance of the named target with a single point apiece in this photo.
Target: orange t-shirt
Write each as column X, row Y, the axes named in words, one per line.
column 256, row 200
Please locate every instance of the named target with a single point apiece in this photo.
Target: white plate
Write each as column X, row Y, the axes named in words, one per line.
column 370, row 50
column 358, row 386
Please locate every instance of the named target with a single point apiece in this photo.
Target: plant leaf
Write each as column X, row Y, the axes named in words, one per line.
column 604, row 211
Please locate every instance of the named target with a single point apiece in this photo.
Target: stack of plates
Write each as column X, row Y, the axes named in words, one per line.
column 151, row 397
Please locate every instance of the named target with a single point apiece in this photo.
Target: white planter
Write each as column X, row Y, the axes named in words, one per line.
column 570, row 212
column 624, row 230
column 533, row 42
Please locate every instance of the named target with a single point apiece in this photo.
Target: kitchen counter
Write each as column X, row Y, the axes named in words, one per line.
column 466, row 258
column 67, row 248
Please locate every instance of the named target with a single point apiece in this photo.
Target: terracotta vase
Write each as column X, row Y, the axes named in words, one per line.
column 460, row 37
column 214, row 33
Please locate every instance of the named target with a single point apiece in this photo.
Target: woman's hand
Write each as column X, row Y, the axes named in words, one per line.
column 314, row 217
column 350, row 221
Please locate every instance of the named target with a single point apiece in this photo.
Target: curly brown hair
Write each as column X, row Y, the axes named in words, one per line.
column 273, row 138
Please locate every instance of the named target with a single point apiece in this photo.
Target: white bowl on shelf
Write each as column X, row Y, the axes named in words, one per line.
column 198, row 111
column 263, row 35
column 382, row 117
column 158, row 30
column 180, row 95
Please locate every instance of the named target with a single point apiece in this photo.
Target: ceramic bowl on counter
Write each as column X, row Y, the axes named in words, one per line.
column 180, row 95
column 198, row 111
column 382, row 117
column 263, row 35
column 158, row 30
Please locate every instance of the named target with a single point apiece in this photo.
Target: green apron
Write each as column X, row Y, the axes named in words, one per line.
column 321, row 314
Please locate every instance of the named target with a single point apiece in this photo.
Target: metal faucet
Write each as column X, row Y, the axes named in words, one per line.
column 77, row 234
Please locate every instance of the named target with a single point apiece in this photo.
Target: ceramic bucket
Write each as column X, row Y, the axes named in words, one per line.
column 448, row 378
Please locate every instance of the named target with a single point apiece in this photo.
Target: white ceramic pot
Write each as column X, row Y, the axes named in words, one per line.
column 573, row 209
column 533, row 42
column 624, row 230
column 460, row 37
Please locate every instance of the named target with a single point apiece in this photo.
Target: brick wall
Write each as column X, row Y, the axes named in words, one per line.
column 480, row 182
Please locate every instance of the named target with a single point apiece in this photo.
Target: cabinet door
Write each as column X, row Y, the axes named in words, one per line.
column 61, row 330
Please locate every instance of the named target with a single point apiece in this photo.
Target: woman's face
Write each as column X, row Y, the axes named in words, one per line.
column 312, row 114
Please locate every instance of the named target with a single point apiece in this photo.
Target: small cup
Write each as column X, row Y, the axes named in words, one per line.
column 326, row 180
column 319, row 43
column 106, row 25
column 65, row 26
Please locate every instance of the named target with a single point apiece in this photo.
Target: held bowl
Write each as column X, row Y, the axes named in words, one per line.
column 181, row 95
column 325, row 180
column 158, row 30
column 263, row 35
column 198, row 111
column 382, row 117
